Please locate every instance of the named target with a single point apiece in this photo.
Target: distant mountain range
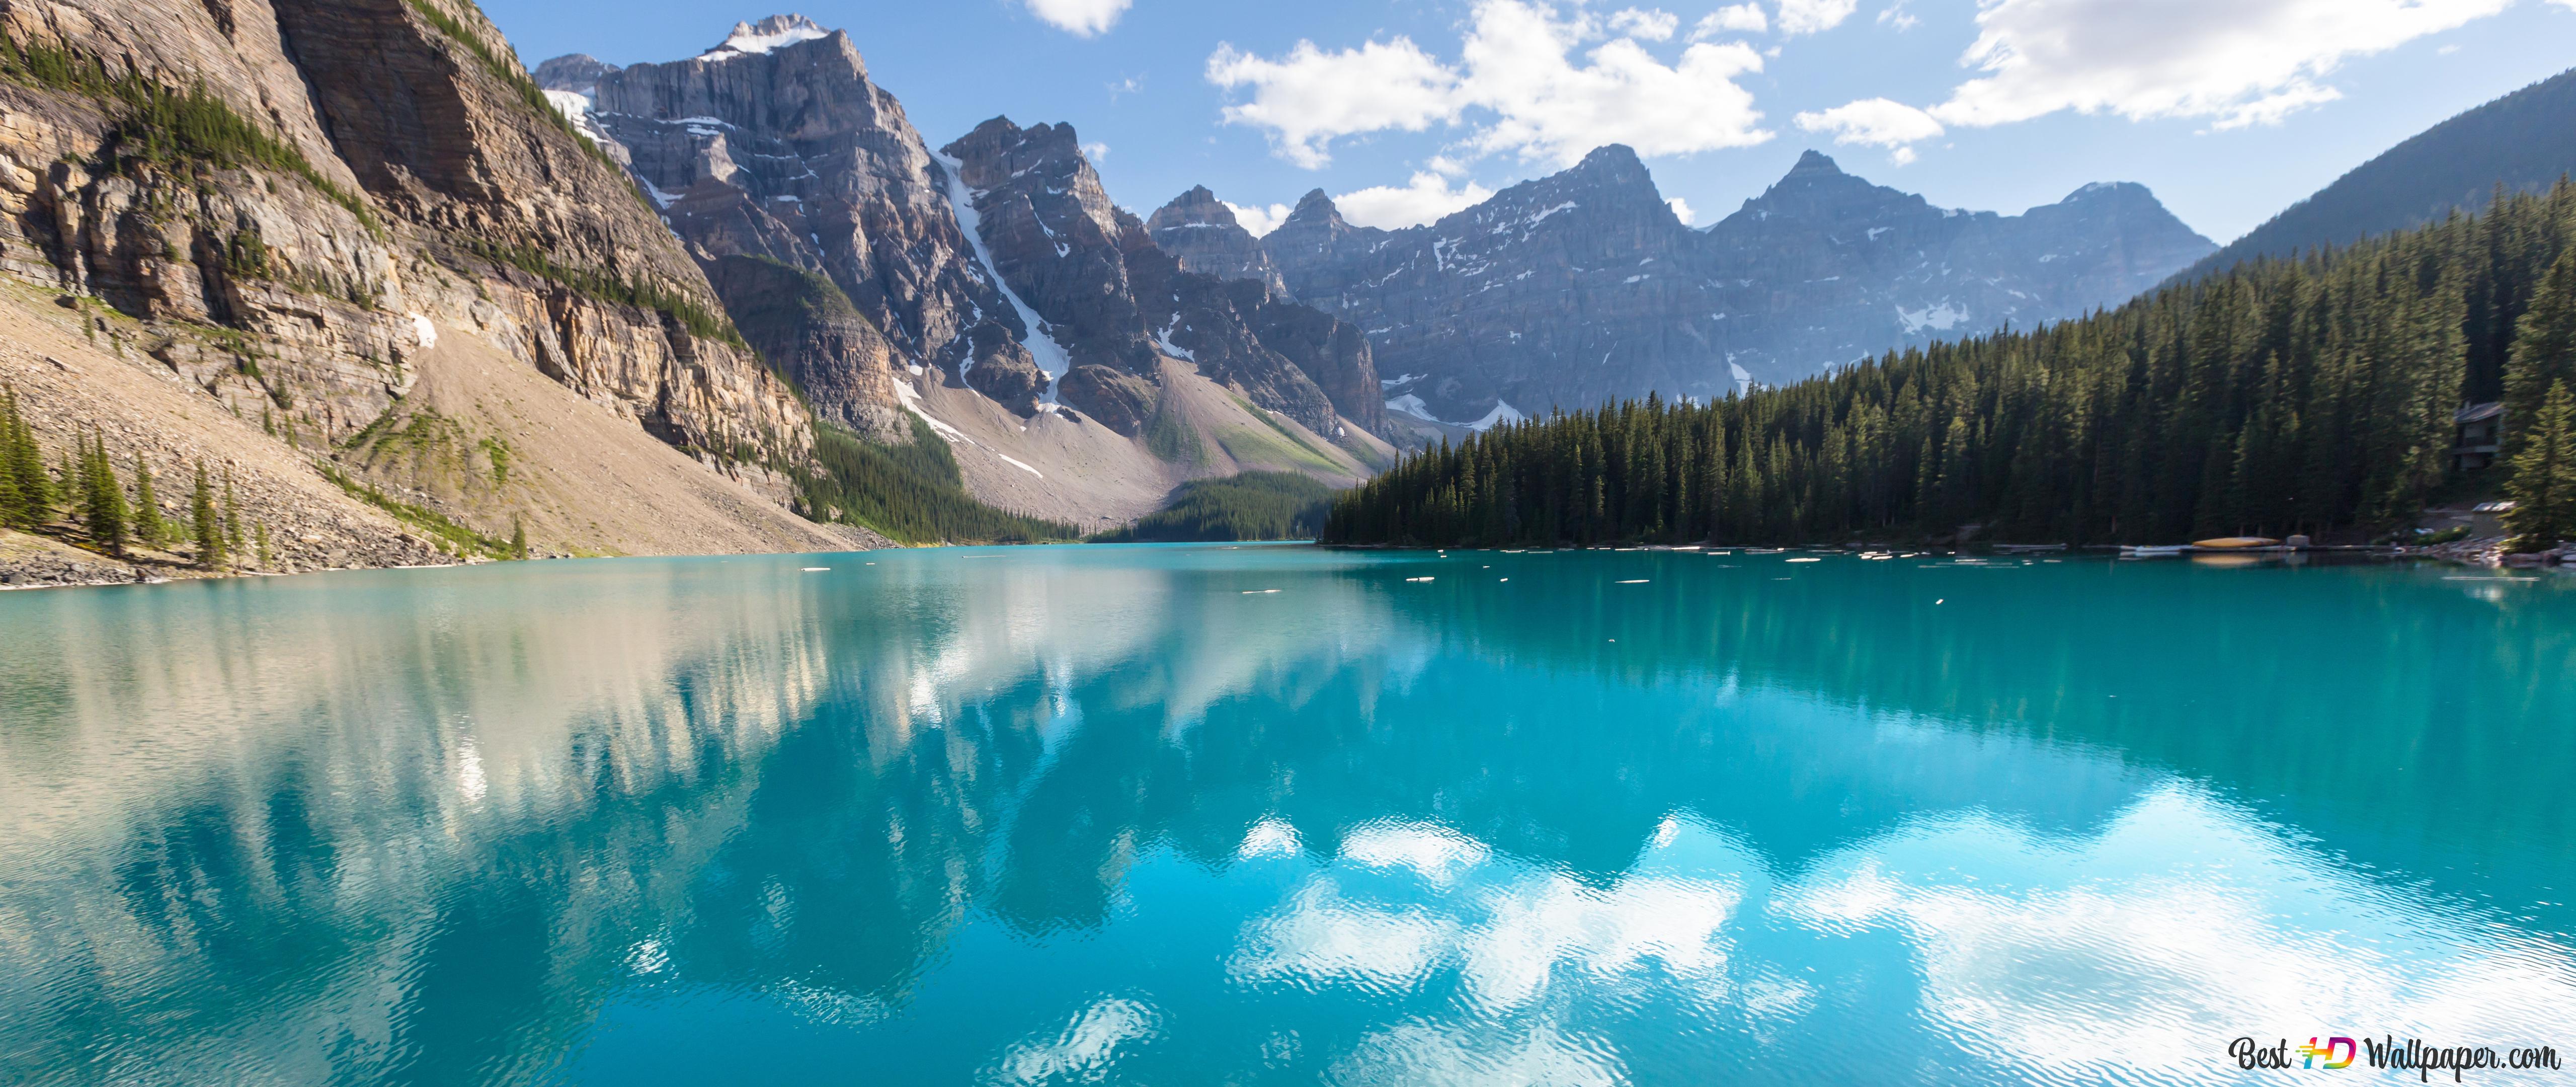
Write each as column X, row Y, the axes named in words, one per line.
column 1565, row 291
column 1583, row 287
column 2523, row 142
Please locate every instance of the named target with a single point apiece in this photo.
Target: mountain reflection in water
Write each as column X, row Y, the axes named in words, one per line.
column 1122, row 813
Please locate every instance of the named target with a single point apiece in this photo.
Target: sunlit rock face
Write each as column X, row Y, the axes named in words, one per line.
column 1584, row 287
column 776, row 145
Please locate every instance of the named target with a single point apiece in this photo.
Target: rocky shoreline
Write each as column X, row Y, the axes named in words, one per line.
column 2492, row 551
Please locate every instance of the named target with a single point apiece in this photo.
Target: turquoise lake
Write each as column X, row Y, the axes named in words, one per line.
column 1277, row 814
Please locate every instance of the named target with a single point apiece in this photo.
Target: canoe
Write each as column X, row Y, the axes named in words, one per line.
column 2236, row 543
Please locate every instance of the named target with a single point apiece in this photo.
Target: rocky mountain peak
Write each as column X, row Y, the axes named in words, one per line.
column 1316, row 208
column 1197, row 207
column 1815, row 162
column 1817, row 190
column 1611, row 164
column 1204, row 234
column 749, row 39
column 579, row 73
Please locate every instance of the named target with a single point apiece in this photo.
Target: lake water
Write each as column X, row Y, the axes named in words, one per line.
column 1200, row 815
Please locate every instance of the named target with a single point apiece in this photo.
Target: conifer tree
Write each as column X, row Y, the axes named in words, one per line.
column 518, row 540
column 209, row 530
column 103, row 498
column 13, row 504
column 259, row 534
column 149, row 527
column 2544, row 349
column 23, row 461
column 232, row 517
column 2544, row 475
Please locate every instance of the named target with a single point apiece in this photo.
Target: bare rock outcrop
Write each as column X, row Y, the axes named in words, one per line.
column 775, row 144
column 333, row 181
column 1204, row 233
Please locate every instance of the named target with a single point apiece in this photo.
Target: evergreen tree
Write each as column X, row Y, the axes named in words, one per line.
column 518, row 540
column 22, row 469
column 103, row 509
column 232, row 518
column 149, row 527
column 13, row 501
column 259, row 533
column 209, row 530
column 2544, row 349
column 2544, row 475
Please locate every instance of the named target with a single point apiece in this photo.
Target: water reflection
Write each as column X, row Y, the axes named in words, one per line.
column 1054, row 816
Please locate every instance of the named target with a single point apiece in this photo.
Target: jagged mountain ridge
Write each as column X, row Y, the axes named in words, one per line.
column 1583, row 287
column 995, row 266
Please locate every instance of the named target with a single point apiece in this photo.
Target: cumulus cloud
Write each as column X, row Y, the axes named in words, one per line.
column 1878, row 122
column 1310, row 97
column 1258, row 220
column 1740, row 19
column 2234, row 62
column 1096, row 152
column 1427, row 197
column 1084, row 18
column 1655, row 25
column 1682, row 211
column 1814, row 16
column 1549, row 109
column 1524, row 71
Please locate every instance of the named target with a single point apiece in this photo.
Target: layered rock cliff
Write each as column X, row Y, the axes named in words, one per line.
column 283, row 203
column 1583, row 287
column 991, row 286
column 1204, row 234
column 776, row 144
column 1114, row 298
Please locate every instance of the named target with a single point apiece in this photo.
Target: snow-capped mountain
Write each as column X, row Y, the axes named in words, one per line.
column 1583, row 287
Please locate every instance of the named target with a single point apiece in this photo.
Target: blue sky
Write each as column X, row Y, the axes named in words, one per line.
column 2228, row 109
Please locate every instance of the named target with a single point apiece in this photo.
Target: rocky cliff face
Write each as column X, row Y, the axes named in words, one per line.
column 348, row 172
column 1203, row 233
column 1112, row 297
column 1583, row 287
column 775, row 144
column 996, row 264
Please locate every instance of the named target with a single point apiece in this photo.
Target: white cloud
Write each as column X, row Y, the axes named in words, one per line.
column 1096, row 152
column 1877, row 122
column 1259, row 221
column 1896, row 16
column 1426, row 198
column 1085, row 1049
column 1656, row 25
column 2236, row 62
column 1311, row 97
column 1739, row 19
column 1813, row 16
column 1550, row 110
column 1519, row 70
column 1682, row 211
column 1086, row 18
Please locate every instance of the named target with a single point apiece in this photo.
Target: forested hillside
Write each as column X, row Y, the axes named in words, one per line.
column 2313, row 395
column 2522, row 142
column 1250, row 506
